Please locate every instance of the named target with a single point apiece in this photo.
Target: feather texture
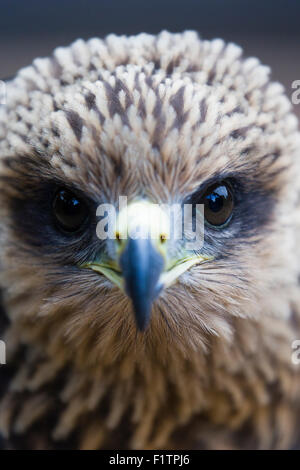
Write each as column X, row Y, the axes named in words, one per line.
column 153, row 116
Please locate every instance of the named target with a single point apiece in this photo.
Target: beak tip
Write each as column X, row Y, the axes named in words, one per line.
column 142, row 326
column 142, row 314
column 141, row 266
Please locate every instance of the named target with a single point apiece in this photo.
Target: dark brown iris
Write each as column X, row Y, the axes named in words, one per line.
column 218, row 204
column 69, row 211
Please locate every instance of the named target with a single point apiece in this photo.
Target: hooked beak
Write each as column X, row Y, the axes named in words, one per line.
column 143, row 268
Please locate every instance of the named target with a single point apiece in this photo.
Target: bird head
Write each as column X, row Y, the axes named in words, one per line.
column 182, row 123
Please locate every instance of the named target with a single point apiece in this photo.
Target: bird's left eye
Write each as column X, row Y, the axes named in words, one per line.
column 218, row 204
column 70, row 211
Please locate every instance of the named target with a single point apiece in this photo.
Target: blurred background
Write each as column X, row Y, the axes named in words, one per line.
column 269, row 29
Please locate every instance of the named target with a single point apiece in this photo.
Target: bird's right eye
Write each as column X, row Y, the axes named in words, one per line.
column 70, row 212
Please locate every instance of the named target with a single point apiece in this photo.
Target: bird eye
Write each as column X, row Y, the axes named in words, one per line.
column 69, row 211
column 218, row 204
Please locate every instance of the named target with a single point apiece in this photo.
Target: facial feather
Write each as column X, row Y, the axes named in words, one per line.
column 156, row 117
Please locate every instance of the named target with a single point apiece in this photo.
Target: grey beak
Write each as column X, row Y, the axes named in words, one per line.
column 141, row 266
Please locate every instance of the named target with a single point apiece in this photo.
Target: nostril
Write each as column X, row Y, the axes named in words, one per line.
column 118, row 237
column 163, row 238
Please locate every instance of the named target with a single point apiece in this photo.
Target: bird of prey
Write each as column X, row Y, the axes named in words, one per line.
column 131, row 342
